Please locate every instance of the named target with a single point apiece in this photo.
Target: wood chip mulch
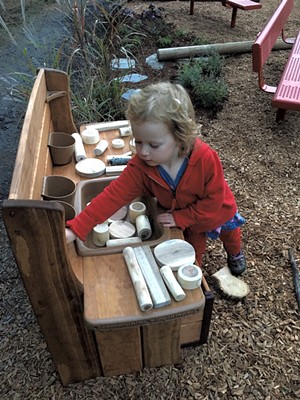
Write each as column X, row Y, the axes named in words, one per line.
column 253, row 351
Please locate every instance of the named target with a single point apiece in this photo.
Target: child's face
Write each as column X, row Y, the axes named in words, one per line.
column 154, row 143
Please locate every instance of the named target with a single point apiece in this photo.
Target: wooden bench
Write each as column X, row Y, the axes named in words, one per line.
column 245, row 5
column 86, row 306
column 287, row 92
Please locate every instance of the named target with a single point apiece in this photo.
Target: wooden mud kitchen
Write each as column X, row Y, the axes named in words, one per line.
column 82, row 295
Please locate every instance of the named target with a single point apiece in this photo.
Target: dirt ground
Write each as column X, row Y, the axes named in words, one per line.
column 253, row 349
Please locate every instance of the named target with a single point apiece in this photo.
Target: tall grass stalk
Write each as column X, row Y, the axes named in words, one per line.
column 16, row 86
column 7, row 30
column 99, row 34
column 86, row 56
column 23, row 11
column 4, row 25
column 96, row 91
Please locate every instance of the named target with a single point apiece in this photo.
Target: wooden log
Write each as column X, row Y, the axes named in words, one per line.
column 112, row 125
column 115, row 169
column 153, row 279
column 79, row 151
column 143, row 227
column 122, row 242
column 140, row 287
column 172, row 284
column 174, row 53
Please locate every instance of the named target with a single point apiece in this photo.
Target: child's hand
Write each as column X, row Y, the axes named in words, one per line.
column 166, row 219
column 70, row 235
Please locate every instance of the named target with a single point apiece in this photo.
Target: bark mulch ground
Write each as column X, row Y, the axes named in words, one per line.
column 253, row 350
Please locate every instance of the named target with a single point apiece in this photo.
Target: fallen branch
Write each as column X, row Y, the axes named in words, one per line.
column 295, row 275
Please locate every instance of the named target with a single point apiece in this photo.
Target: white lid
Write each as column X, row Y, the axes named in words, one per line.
column 175, row 253
column 121, row 229
column 120, row 214
column 90, row 168
column 117, row 143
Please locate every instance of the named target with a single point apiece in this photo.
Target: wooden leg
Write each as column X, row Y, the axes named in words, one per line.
column 190, row 329
column 120, row 351
column 233, row 17
column 191, row 7
column 280, row 114
column 161, row 343
column 209, row 302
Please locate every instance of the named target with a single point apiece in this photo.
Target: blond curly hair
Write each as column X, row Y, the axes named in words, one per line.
column 166, row 103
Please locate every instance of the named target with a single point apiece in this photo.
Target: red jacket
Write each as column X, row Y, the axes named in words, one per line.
column 203, row 200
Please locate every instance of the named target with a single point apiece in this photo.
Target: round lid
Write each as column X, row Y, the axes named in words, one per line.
column 175, row 253
column 117, row 143
column 90, row 168
column 120, row 214
column 121, row 229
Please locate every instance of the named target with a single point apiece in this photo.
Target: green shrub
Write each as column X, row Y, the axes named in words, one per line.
column 198, row 41
column 181, row 33
column 209, row 93
column 164, row 41
column 211, row 65
column 189, row 74
column 202, row 77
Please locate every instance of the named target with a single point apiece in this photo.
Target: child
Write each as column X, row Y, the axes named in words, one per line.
column 175, row 166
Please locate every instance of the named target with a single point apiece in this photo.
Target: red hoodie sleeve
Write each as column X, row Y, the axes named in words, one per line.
column 118, row 193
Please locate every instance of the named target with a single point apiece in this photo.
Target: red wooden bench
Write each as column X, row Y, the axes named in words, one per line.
column 245, row 5
column 287, row 92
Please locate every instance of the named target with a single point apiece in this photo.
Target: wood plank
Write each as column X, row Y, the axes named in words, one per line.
column 43, row 158
column 161, row 343
column 191, row 328
column 30, row 150
column 244, row 4
column 61, row 115
column 209, row 302
column 36, row 232
column 120, row 351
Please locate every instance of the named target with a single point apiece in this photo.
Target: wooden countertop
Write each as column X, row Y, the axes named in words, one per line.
column 110, row 300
